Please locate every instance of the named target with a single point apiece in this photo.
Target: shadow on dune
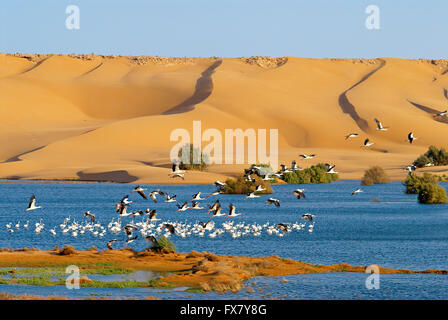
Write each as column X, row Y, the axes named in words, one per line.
column 431, row 111
column 121, row 176
column 349, row 108
column 203, row 89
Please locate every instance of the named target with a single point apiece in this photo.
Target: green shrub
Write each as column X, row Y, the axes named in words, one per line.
column 188, row 154
column 375, row 175
column 431, row 193
column 415, row 183
column 314, row 174
column 163, row 243
column 241, row 186
column 433, row 155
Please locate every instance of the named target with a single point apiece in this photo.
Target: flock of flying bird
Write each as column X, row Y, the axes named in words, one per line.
column 149, row 227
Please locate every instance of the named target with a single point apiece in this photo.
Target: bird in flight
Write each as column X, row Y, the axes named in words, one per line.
column 367, row 143
column 251, row 195
column 109, row 244
column 308, row 216
column 182, row 207
column 90, row 215
column 307, row 156
column 357, row 191
column 283, row 227
column 330, row 169
column 379, row 125
column 351, row 135
column 443, row 113
column 170, row 228
column 299, row 193
column 32, row 204
column 140, row 191
column 169, row 198
column 232, row 212
column 273, row 201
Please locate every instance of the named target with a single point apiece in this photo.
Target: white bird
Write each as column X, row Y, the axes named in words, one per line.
column 330, row 169
column 169, row 198
column 218, row 212
column 294, row 166
column 260, row 188
column 140, row 191
column 153, row 194
column 232, row 212
column 196, row 205
column 175, row 169
column 411, row 137
column 443, row 113
column 410, row 168
column 32, row 204
column 197, row 196
column 380, row 125
column 178, row 175
column 351, row 135
column 251, row 195
column 182, row 207
column 367, row 143
column 209, row 225
column 357, row 191
column 307, row 156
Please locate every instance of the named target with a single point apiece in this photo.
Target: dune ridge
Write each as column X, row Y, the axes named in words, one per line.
column 110, row 117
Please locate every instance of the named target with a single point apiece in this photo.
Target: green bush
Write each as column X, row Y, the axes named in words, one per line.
column 314, row 174
column 433, row 155
column 188, row 153
column 415, row 183
column 241, row 186
column 164, row 243
column 375, row 175
column 431, row 193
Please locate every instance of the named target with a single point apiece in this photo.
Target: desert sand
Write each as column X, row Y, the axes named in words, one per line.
column 90, row 117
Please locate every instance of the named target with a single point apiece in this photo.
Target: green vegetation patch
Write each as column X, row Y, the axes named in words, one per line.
column 434, row 156
column 314, row 174
column 240, row 185
column 375, row 175
column 427, row 188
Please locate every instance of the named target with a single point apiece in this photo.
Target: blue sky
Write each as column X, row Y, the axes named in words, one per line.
column 228, row 28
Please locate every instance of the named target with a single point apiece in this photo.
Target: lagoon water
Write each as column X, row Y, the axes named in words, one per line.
column 396, row 232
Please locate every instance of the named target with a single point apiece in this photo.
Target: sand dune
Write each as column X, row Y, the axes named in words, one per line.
column 109, row 118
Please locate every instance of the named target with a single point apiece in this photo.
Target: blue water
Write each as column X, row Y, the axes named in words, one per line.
column 396, row 232
column 316, row 286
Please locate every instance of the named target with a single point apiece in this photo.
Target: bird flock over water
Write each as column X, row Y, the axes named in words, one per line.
column 127, row 226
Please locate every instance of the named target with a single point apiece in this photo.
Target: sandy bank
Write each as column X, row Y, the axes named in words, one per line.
column 205, row 271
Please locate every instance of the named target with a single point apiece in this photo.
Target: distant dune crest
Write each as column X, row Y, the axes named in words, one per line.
column 112, row 115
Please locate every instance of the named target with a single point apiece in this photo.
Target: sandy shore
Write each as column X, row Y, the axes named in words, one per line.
column 205, row 270
column 106, row 118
